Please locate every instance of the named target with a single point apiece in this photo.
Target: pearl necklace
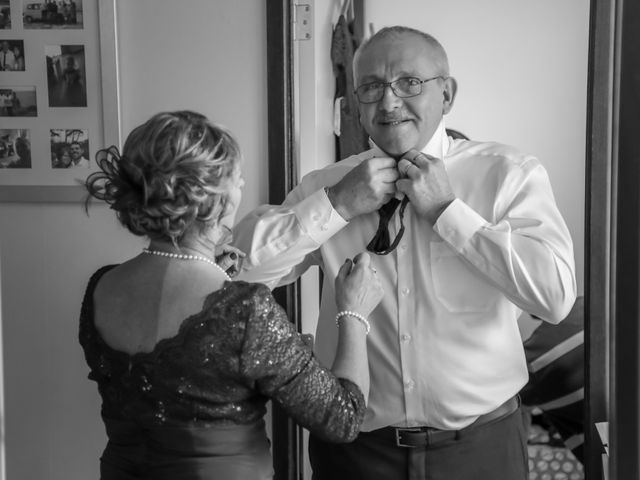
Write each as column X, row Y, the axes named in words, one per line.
column 181, row 256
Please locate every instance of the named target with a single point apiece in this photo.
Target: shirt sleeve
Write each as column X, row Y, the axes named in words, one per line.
column 280, row 241
column 277, row 360
column 527, row 253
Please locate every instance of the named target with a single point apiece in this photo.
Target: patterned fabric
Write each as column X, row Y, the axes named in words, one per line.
column 555, row 359
column 549, row 460
column 552, row 463
column 221, row 368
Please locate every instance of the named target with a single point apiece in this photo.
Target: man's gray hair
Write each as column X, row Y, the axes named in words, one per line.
column 398, row 31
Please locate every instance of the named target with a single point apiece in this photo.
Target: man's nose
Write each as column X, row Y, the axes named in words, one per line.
column 389, row 101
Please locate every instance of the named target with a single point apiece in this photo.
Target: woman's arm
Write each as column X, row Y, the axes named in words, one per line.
column 274, row 356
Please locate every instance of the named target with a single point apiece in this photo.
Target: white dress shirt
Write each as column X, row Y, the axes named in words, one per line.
column 82, row 163
column 444, row 346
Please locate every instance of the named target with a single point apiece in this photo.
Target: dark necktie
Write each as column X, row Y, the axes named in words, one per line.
column 381, row 242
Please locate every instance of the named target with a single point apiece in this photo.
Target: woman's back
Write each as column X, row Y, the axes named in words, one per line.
column 168, row 362
column 146, row 299
column 167, row 366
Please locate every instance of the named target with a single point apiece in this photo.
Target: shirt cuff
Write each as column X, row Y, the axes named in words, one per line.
column 318, row 218
column 458, row 223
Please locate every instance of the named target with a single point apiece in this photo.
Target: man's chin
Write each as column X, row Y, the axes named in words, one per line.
column 394, row 146
column 395, row 150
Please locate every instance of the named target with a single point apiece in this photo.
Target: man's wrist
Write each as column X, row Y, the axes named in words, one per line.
column 334, row 203
column 441, row 209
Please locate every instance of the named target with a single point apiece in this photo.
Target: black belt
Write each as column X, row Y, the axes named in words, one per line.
column 412, row 437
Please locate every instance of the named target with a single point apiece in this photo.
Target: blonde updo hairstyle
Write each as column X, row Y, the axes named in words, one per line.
column 173, row 177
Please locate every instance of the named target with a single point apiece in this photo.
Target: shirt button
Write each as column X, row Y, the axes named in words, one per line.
column 409, row 384
column 324, row 227
column 405, row 291
column 406, row 337
column 403, row 247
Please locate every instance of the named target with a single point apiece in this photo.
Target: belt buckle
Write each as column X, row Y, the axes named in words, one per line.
column 400, row 431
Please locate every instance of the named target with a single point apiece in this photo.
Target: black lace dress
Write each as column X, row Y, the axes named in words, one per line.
column 193, row 407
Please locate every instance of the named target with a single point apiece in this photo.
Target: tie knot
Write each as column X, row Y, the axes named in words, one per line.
column 381, row 242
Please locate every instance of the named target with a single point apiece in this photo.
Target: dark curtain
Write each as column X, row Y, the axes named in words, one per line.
column 347, row 36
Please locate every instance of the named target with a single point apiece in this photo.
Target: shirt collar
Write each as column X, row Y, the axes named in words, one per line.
column 437, row 146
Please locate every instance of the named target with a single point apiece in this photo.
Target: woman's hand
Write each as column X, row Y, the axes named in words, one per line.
column 358, row 288
column 229, row 258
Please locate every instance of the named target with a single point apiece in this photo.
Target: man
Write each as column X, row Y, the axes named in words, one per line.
column 7, row 58
column 479, row 240
column 77, row 156
column 73, row 91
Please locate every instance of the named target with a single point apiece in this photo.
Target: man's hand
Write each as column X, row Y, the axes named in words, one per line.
column 365, row 188
column 425, row 181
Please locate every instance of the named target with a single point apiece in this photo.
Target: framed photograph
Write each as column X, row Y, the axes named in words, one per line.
column 18, row 102
column 5, row 14
column 66, row 78
column 15, row 148
column 61, row 103
column 68, row 147
column 11, row 55
column 52, row 14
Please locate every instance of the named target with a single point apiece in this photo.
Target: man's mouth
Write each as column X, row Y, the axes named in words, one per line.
column 392, row 123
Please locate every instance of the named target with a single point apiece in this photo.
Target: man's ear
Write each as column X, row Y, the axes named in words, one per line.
column 449, row 94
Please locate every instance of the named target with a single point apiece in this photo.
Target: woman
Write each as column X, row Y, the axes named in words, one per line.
column 63, row 159
column 19, row 63
column 185, row 359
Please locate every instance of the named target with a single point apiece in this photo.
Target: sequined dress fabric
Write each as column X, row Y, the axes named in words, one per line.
column 193, row 407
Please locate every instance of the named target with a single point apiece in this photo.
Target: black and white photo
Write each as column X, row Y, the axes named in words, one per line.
column 18, row 101
column 66, row 78
column 69, row 148
column 12, row 55
column 5, row 14
column 52, row 14
column 15, row 148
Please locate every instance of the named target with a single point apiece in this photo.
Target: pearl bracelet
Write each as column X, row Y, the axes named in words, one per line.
column 357, row 316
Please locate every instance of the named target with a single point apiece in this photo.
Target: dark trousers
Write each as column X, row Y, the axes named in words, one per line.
column 494, row 451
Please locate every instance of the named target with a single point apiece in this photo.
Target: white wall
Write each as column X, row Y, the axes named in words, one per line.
column 203, row 55
column 48, row 251
column 208, row 56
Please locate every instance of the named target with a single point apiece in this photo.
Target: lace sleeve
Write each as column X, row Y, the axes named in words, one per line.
column 283, row 367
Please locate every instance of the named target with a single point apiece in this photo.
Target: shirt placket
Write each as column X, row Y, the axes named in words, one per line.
column 406, row 313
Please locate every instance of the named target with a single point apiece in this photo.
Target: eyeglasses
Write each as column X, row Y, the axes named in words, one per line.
column 381, row 243
column 404, row 87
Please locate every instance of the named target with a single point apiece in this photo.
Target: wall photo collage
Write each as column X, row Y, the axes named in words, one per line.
column 51, row 111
